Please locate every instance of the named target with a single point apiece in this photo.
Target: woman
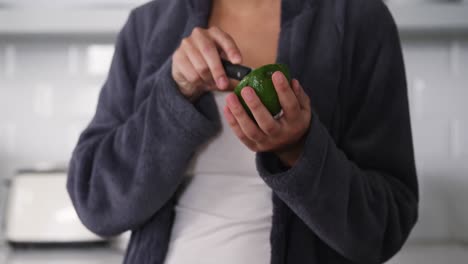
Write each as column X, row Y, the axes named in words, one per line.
column 171, row 155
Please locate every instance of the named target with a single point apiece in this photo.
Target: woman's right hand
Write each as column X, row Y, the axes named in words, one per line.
column 196, row 64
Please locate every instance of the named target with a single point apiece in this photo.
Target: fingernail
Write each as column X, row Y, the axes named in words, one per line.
column 236, row 58
column 247, row 94
column 279, row 77
column 222, row 82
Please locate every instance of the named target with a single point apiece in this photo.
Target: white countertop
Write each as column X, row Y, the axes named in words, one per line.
column 411, row 254
column 98, row 255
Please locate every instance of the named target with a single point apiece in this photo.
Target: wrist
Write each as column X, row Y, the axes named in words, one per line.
column 192, row 95
column 290, row 155
column 288, row 158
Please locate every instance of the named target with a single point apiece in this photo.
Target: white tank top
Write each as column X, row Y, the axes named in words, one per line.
column 224, row 214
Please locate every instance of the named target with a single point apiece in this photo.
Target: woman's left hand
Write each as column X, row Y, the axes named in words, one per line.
column 284, row 136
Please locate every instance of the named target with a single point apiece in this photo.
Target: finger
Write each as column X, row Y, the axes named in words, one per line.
column 286, row 96
column 227, row 44
column 185, row 68
column 250, row 129
column 208, row 49
column 301, row 95
column 197, row 61
column 237, row 130
column 264, row 118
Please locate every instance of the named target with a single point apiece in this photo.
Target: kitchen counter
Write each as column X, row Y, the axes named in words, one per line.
column 98, row 255
column 411, row 254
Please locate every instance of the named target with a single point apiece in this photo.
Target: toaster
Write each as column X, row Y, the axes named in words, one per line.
column 39, row 210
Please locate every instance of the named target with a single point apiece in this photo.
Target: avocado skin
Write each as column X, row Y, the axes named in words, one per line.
column 260, row 80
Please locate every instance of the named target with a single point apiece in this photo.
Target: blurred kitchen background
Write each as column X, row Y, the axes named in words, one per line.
column 54, row 57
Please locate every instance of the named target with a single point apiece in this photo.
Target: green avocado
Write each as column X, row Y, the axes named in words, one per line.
column 260, row 80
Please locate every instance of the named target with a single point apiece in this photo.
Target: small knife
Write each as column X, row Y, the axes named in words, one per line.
column 235, row 71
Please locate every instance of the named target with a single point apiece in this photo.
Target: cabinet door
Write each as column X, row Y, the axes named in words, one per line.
column 69, row 3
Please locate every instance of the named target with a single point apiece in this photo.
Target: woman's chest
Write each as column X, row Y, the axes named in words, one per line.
column 256, row 38
column 257, row 44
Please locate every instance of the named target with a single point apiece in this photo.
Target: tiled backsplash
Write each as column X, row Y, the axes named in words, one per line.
column 437, row 68
column 48, row 93
column 49, row 89
column 438, row 89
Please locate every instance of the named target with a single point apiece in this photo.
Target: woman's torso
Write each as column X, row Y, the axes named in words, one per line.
column 224, row 210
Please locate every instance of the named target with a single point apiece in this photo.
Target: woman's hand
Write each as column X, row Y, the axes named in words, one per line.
column 196, row 64
column 285, row 136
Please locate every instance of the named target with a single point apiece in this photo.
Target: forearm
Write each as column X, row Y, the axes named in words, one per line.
column 132, row 168
column 349, row 208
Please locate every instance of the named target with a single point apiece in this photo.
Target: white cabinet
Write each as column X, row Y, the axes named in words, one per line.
column 68, row 3
column 60, row 22
column 423, row 17
column 108, row 16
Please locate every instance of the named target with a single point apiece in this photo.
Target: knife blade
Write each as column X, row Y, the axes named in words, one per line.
column 235, row 71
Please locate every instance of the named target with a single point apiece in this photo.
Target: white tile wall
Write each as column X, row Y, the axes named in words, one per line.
column 49, row 89
column 44, row 61
column 438, row 89
column 46, row 98
column 10, row 61
column 98, row 59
